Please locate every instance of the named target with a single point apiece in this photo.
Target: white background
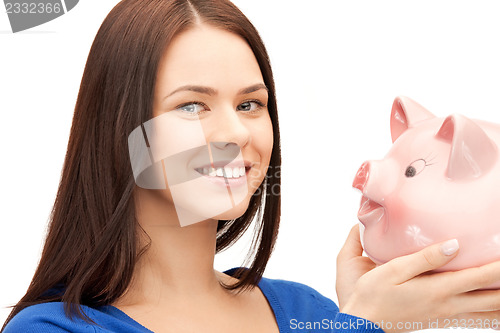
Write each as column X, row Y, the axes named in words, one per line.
column 338, row 66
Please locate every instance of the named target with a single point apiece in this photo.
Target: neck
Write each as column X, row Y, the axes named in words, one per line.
column 179, row 261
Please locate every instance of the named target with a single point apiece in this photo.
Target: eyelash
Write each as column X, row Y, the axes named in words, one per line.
column 259, row 103
column 191, row 103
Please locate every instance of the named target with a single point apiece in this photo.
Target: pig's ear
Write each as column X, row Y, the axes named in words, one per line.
column 405, row 114
column 472, row 154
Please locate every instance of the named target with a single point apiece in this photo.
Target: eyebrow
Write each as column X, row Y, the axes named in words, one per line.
column 211, row 91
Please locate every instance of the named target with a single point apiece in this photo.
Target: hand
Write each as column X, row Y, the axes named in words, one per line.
column 403, row 291
column 351, row 265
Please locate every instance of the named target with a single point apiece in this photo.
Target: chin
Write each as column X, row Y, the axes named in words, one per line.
column 234, row 212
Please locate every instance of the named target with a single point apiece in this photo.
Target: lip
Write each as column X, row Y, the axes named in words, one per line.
column 367, row 206
column 224, row 182
column 370, row 212
column 227, row 182
column 227, row 163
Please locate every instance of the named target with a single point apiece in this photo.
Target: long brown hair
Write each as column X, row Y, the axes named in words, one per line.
column 91, row 246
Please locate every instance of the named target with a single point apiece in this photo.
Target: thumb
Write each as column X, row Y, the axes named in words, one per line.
column 352, row 247
column 427, row 259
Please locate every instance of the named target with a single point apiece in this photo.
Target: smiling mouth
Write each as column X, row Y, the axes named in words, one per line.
column 367, row 206
column 370, row 212
column 224, row 172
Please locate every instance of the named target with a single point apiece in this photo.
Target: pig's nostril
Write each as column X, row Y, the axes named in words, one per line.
column 361, row 177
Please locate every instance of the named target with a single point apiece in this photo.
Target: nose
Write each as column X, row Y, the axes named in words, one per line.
column 228, row 128
column 362, row 177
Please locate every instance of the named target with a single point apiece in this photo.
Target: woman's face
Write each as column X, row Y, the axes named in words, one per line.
column 211, row 126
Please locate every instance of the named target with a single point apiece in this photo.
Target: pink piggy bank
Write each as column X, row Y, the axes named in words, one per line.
column 440, row 180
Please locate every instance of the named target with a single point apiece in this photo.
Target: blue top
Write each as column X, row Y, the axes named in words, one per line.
column 297, row 308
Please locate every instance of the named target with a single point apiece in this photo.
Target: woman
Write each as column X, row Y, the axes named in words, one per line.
column 134, row 230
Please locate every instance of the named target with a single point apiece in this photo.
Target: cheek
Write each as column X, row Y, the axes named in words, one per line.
column 262, row 138
column 261, row 148
column 169, row 135
column 419, row 198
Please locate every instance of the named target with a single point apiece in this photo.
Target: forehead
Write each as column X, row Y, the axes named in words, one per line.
column 209, row 56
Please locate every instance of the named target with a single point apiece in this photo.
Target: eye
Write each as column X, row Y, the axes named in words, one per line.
column 415, row 168
column 250, row 106
column 192, row 108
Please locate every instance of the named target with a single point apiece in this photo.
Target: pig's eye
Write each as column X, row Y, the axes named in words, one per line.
column 415, row 168
column 410, row 171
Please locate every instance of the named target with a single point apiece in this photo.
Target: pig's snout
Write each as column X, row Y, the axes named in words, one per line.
column 378, row 179
column 361, row 177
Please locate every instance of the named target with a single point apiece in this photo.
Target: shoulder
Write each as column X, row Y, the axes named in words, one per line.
column 47, row 317
column 291, row 298
column 298, row 306
column 297, row 299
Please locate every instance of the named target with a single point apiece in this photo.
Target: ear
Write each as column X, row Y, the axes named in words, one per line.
column 405, row 113
column 472, row 154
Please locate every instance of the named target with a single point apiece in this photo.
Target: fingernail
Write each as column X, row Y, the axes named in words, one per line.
column 449, row 247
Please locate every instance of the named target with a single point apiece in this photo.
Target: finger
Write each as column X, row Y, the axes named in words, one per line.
column 352, row 247
column 476, row 301
column 475, row 277
column 407, row 267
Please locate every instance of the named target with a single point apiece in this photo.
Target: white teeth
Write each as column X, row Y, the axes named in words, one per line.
column 228, row 172
column 221, row 172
